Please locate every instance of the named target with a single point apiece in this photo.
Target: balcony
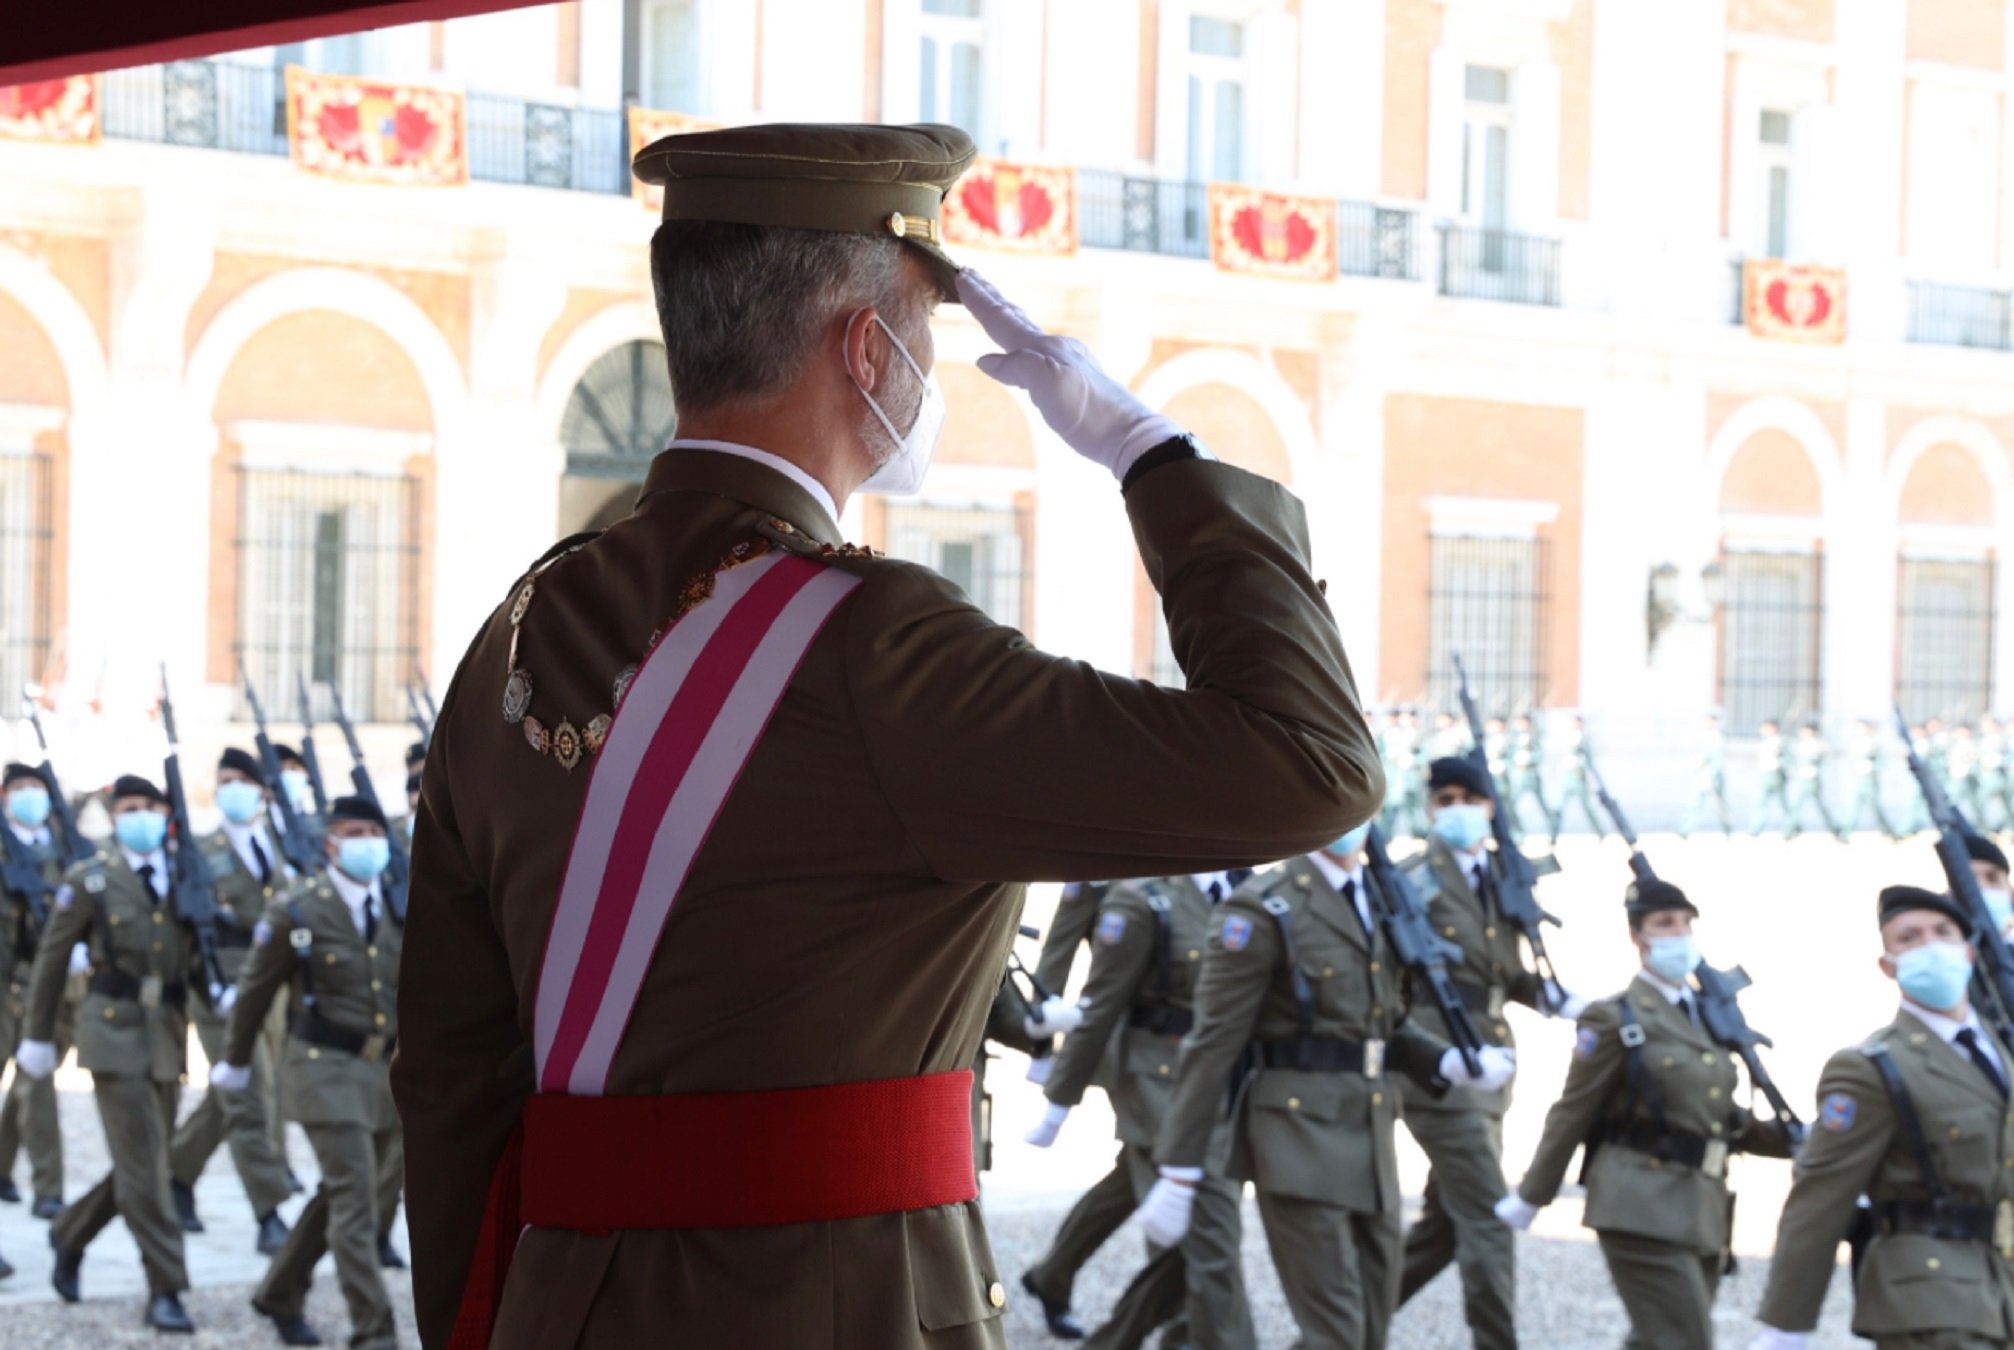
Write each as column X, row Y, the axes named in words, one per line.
column 1152, row 215
column 1959, row 316
column 1482, row 264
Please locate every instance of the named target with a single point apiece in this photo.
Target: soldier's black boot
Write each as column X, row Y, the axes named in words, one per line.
column 272, row 1233
column 47, row 1206
column 388, row 1255
column 9, row 1192
column 68, row 1272
column 6, row 1268
column 185, row 1207
column 293, row 1328
column 1062, row 1325
column 165, row 1313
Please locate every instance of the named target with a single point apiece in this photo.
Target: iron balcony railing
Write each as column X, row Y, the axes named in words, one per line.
column 1960, row 316
column 1485, row 264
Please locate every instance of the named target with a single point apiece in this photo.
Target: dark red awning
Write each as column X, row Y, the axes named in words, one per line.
column 70, row 37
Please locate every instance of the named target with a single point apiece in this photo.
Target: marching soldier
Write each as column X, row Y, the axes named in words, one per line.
column 1650, row 1096
column 1989, row 868
column 1141, row 990
column 1807, row 777
column 1867, row 754
column 298, row 784
column 1962, row 764
column 1579, row 790
column 806, row 975
column 28, row 1113
column 1771, row 764
column 1996, row 775
column 1527, row 772
column 1916, row 1119
column 1709, row 780
column 1299, row 965
column 1462, row 1133
column 334, row 943
column 246, row 863
column 1399, row 750
column 132, row 1034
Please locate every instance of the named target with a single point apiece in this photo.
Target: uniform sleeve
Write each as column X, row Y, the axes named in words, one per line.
column 1230, row 991
column 1076, row 911
column 1120, row 959
column 1591, row 1081
column 1762, row 1136
column 70, row 918
column 1855, row 1126
column 1416, row 1052
column 266, row 972
column 1004, row 763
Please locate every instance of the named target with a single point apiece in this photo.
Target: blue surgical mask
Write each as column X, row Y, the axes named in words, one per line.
column 1934, row 974
column 1672, row 958
column 1348, row 844
column 29, row 806
column 2000, row 905
column 140, row 831
column 1462, row 826
column 363, row 858
column 295, row 781
column 240, row 802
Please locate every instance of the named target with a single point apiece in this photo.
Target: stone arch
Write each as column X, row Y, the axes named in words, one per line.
column 1793, row 421
column 62, row 324
column 1252, row 379
column 1946, row 448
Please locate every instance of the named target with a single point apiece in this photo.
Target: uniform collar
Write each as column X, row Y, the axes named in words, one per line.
column 1672, row 992
column 31, row 837
column 1946, row 1027
column 756, row 477
column 238, row 834
column 353, row 893
column 1335, row 873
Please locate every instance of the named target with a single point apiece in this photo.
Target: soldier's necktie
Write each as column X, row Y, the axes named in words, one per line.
column 1216, row 890
column 265, row 863
column 1350, row 899
column 147, row 879
column 370, row 918
column 1691, row 1013
column 1969, row 1038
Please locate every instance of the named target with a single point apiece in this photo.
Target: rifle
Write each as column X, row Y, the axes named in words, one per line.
column 195, row 887
column 1036, row 995
column 308, row 755
column 418, row 717
column 1995, row 975
column 1509, row 868
column 78, row 847
column 398, row 872
column 297, row 842
column 19, row 871
column 1719, row 1011
column 1423, row 952
column 427, row 696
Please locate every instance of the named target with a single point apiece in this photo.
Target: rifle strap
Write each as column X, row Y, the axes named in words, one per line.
column 1910, row 1122
column 1640, row 1084
column 1164, row 944
column 1304, row 997
column 101, row 927
column 302, row 939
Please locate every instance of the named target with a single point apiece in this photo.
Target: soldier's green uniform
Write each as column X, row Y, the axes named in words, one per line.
column 1807, row 778
column 1709, row 782
column 1579, row 790
column 1146, row 955
column 1770, row 764
column 28, row 1112
column 1527, row 773
column 1295, row 967
column 1867, row 752
column 334, row 1082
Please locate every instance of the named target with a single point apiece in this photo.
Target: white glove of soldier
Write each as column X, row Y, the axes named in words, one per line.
column 37, row 1059
column 223, row 998
column 1093, row 413
column 1516, row 1212
column 1044, row 1134
column 1496, row 1067
column 1057, row 1016
column 230, row 1077
column 1769, row 1338
column 80, row 958
column 1165, row 1212
column 1039, row 1069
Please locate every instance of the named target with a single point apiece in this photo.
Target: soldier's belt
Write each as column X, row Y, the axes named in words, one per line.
column 118, row 984
column 1489, row 1002
column 230, row 937
column 1163, row 1019
column 1707, row 1156
column 1324, row 1054
column 316, row 1029
column 1960, row 1223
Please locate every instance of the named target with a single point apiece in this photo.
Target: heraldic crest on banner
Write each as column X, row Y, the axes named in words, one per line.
column 63, row 111
column 376, row 131
column 1022, row 208
column 1272, row 234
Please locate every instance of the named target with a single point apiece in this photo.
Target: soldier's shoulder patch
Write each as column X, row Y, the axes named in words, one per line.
column 1836, row 1112
column 1111, row 927
column 1584, row 1042
column 94, row 882
column 1237, row 932
column 65, row 896
column 262, row 933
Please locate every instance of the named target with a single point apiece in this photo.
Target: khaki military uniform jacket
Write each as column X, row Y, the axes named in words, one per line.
column 1323, row 1135
column 241, row 897
column 1909, row 1282
column 1076, row 912
column 1694, row 1081
column 18, row 931
column 103, row 902
column 1128, row 983
column 852, row 909
column 1492, row 966
column 308, row 942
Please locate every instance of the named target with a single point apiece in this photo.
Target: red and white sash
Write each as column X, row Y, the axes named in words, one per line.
column 680, row 739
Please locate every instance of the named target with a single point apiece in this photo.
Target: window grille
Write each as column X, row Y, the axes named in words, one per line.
column 1944, row 639
column 1487, row 602
column 26, row 539
column 981, row 549
column 1769, row 661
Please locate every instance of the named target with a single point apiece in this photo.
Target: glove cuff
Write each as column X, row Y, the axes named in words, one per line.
column 1188, row 1174
column 1133, row 465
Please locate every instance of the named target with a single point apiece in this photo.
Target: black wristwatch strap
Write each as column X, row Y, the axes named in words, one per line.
column 1170, row 451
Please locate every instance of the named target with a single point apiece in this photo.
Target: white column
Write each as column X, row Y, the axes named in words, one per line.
column 1346, row 495
column 1857, row 154
column 1342, row 55
column 1860, row 574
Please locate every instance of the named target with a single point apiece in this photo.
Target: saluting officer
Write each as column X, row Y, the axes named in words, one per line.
column 1150, row 937
column 132, row 1034
column 1650, row 1096
column 331, row 939
column 246, row 864
column 1916, row 1119
column 1462, row 1133
column 1300, row 965
column 28, row 1113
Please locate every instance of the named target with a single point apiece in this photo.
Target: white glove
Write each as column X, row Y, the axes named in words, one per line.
column 37, row 1059
column 1165, row 1212
column 1057, row 1016
column 1093, row 413
column 230, row 1077
column 223, row 998
column 1496, row 1064
column 1039, row 1069
column 1769, row 1338
column 80, row 958
column 1571, row 1006
column 1516, row 1212
column 1044, row 1134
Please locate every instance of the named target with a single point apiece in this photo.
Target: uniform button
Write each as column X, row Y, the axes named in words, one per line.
column 370, row 951
column 1162, row 1070
column 157, row 946
column 380, row 1020
column 1934, row 1263
column 314, row 1053
column 377, row 984
column 1449, row 931
column 1195, row 955
column 111, row 1013
column 996, row 1294
column 1502, row 1031
column 1669, row 1061
column 1715, row 1127
column 159, row 917
column 330, row 958
column 1714, row 1093
column 1374, row 967
column 1293, row 1103
column 113, row 920
column 1490, row 931
column 1377, row 1012
column 269, row 892
column 1377, row 1099
column 1706, row 1057
column 1918, row 1038
column 1656, row 1163
column 1330, row 970
column 1956, row 1132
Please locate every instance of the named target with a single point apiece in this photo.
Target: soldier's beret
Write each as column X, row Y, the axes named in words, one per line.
column 1901, row 899
column 286, row 754
column 416, row 753
column 1646, row 897
column 357, row 808
column 887, row 182
column 132, row 785
column 1981, row 849
column 244, row 763
column 1457, row 771
column 18, row 772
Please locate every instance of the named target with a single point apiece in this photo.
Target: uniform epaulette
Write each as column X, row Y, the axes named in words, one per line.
column 562, row 548
column 780, row 533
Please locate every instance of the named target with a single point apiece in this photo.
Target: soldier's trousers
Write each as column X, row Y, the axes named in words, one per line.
column 1098, row 1213
column 1940, row 1340
column 1459, row 1223
column 1203, row 1273
column 28, row 1114
column 240, row 1117
column 137, row 1114
column 341, row 1216
column 1808, row 793
column 1339, row 1270
column 1666, row 1289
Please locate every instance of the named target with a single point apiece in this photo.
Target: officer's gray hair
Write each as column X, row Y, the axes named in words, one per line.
column 743, row 307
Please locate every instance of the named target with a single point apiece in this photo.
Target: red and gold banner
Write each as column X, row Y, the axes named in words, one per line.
column 647, row 125
column 1792, row 302
column 64, row 111
column 375, row 131
column 1271, row 234
column 1021, row 208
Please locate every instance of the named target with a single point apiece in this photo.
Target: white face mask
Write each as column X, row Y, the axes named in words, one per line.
column 902, row 472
